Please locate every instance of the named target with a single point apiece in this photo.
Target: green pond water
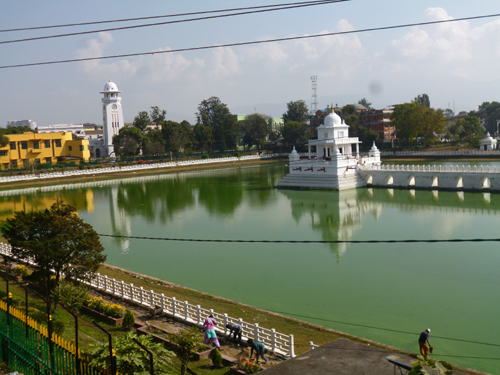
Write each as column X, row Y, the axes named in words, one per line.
column 384, row 292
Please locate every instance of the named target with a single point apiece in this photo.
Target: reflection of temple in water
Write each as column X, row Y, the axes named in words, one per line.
column 337, row 215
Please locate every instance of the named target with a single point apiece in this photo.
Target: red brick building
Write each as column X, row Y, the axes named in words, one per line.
column 379, row 120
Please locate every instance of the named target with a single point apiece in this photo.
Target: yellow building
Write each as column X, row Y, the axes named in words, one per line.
column 27, row 149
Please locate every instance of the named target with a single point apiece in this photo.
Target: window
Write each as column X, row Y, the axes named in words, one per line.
column 47, row 144
column 14, row 163
column 82, row 148
column 59, row 159
column 36, row 145
column 3, row 153
column 341, row 134
column 58, row 143
column 48, row 160
column 326, row 135
column 24, row 145
column 70, row 148
column 12, row 145
column 37, row 161
column 26, row 162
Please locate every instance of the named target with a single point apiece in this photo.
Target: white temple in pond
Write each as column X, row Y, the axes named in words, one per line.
column 334, row 164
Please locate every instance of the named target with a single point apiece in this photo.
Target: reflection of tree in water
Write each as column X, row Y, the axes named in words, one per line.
column 156, row 200
column 258, row 189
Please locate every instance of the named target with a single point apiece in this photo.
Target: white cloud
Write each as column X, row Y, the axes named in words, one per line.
column 223, row 62
column 454, row 48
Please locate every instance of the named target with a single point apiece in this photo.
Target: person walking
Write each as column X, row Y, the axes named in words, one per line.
column 210, row 334
column 235, row 330
column 259, row 349
column 424, row 343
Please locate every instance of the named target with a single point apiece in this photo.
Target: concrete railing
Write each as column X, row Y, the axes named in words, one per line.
column 183, row 310
column 440, row 153
column 136, row 167
column 433, row 168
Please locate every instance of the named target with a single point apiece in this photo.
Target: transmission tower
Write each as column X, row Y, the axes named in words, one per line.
column 314, row 95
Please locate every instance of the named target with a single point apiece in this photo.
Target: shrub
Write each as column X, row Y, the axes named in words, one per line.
column 72, row 296
column 188, row 342
column 204, row 156
column 216, row 357
column 39, row 316
column 128, row 320
column 58, row 326
column 20, row 270
column 106, row 308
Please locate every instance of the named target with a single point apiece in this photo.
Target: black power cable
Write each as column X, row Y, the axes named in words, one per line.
column 250, row 43
column 166, row 16
column 172, row 22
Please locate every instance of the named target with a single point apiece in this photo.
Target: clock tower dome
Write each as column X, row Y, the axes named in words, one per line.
column 112, row 115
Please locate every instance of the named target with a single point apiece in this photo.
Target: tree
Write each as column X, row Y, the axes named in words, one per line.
column 141, row 121
column 155, row 144
column 188, row 342
column 414, row 119
column 176, row 136
column 402, row 118
column 57, row 241
column 215, row 115
column 255, row 130
column 202, row 136
column 491, row 113
column 296, row 133
column 296, row 111
column 423, row 99
column 157, row 115
column 469, row 128
column 367, row 136
column 129, row 141
column 130, row 358
column 365, row 103
column 351, row 117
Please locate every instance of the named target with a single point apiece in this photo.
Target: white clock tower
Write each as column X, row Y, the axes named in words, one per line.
column 112, row 116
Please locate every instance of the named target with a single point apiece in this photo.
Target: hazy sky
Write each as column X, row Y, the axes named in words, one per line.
column 456, row 64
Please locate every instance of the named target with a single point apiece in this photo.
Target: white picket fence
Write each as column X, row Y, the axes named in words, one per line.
column 184, row 311
column 136, row 167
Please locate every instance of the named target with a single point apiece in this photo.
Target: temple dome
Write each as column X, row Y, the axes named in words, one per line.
column 332, row 120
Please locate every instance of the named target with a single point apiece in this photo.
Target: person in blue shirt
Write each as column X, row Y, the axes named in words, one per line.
column 424, row 343
column 259, row 349
column 235, row 330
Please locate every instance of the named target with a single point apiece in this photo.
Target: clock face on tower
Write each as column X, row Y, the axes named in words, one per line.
column 114, row 106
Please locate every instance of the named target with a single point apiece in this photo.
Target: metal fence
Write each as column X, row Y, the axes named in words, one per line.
column 27, row 348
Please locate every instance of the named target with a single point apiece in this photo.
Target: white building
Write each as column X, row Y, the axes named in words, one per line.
column 31, row 124
column 335, row 162
column 76, row 129
column 112, row 117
